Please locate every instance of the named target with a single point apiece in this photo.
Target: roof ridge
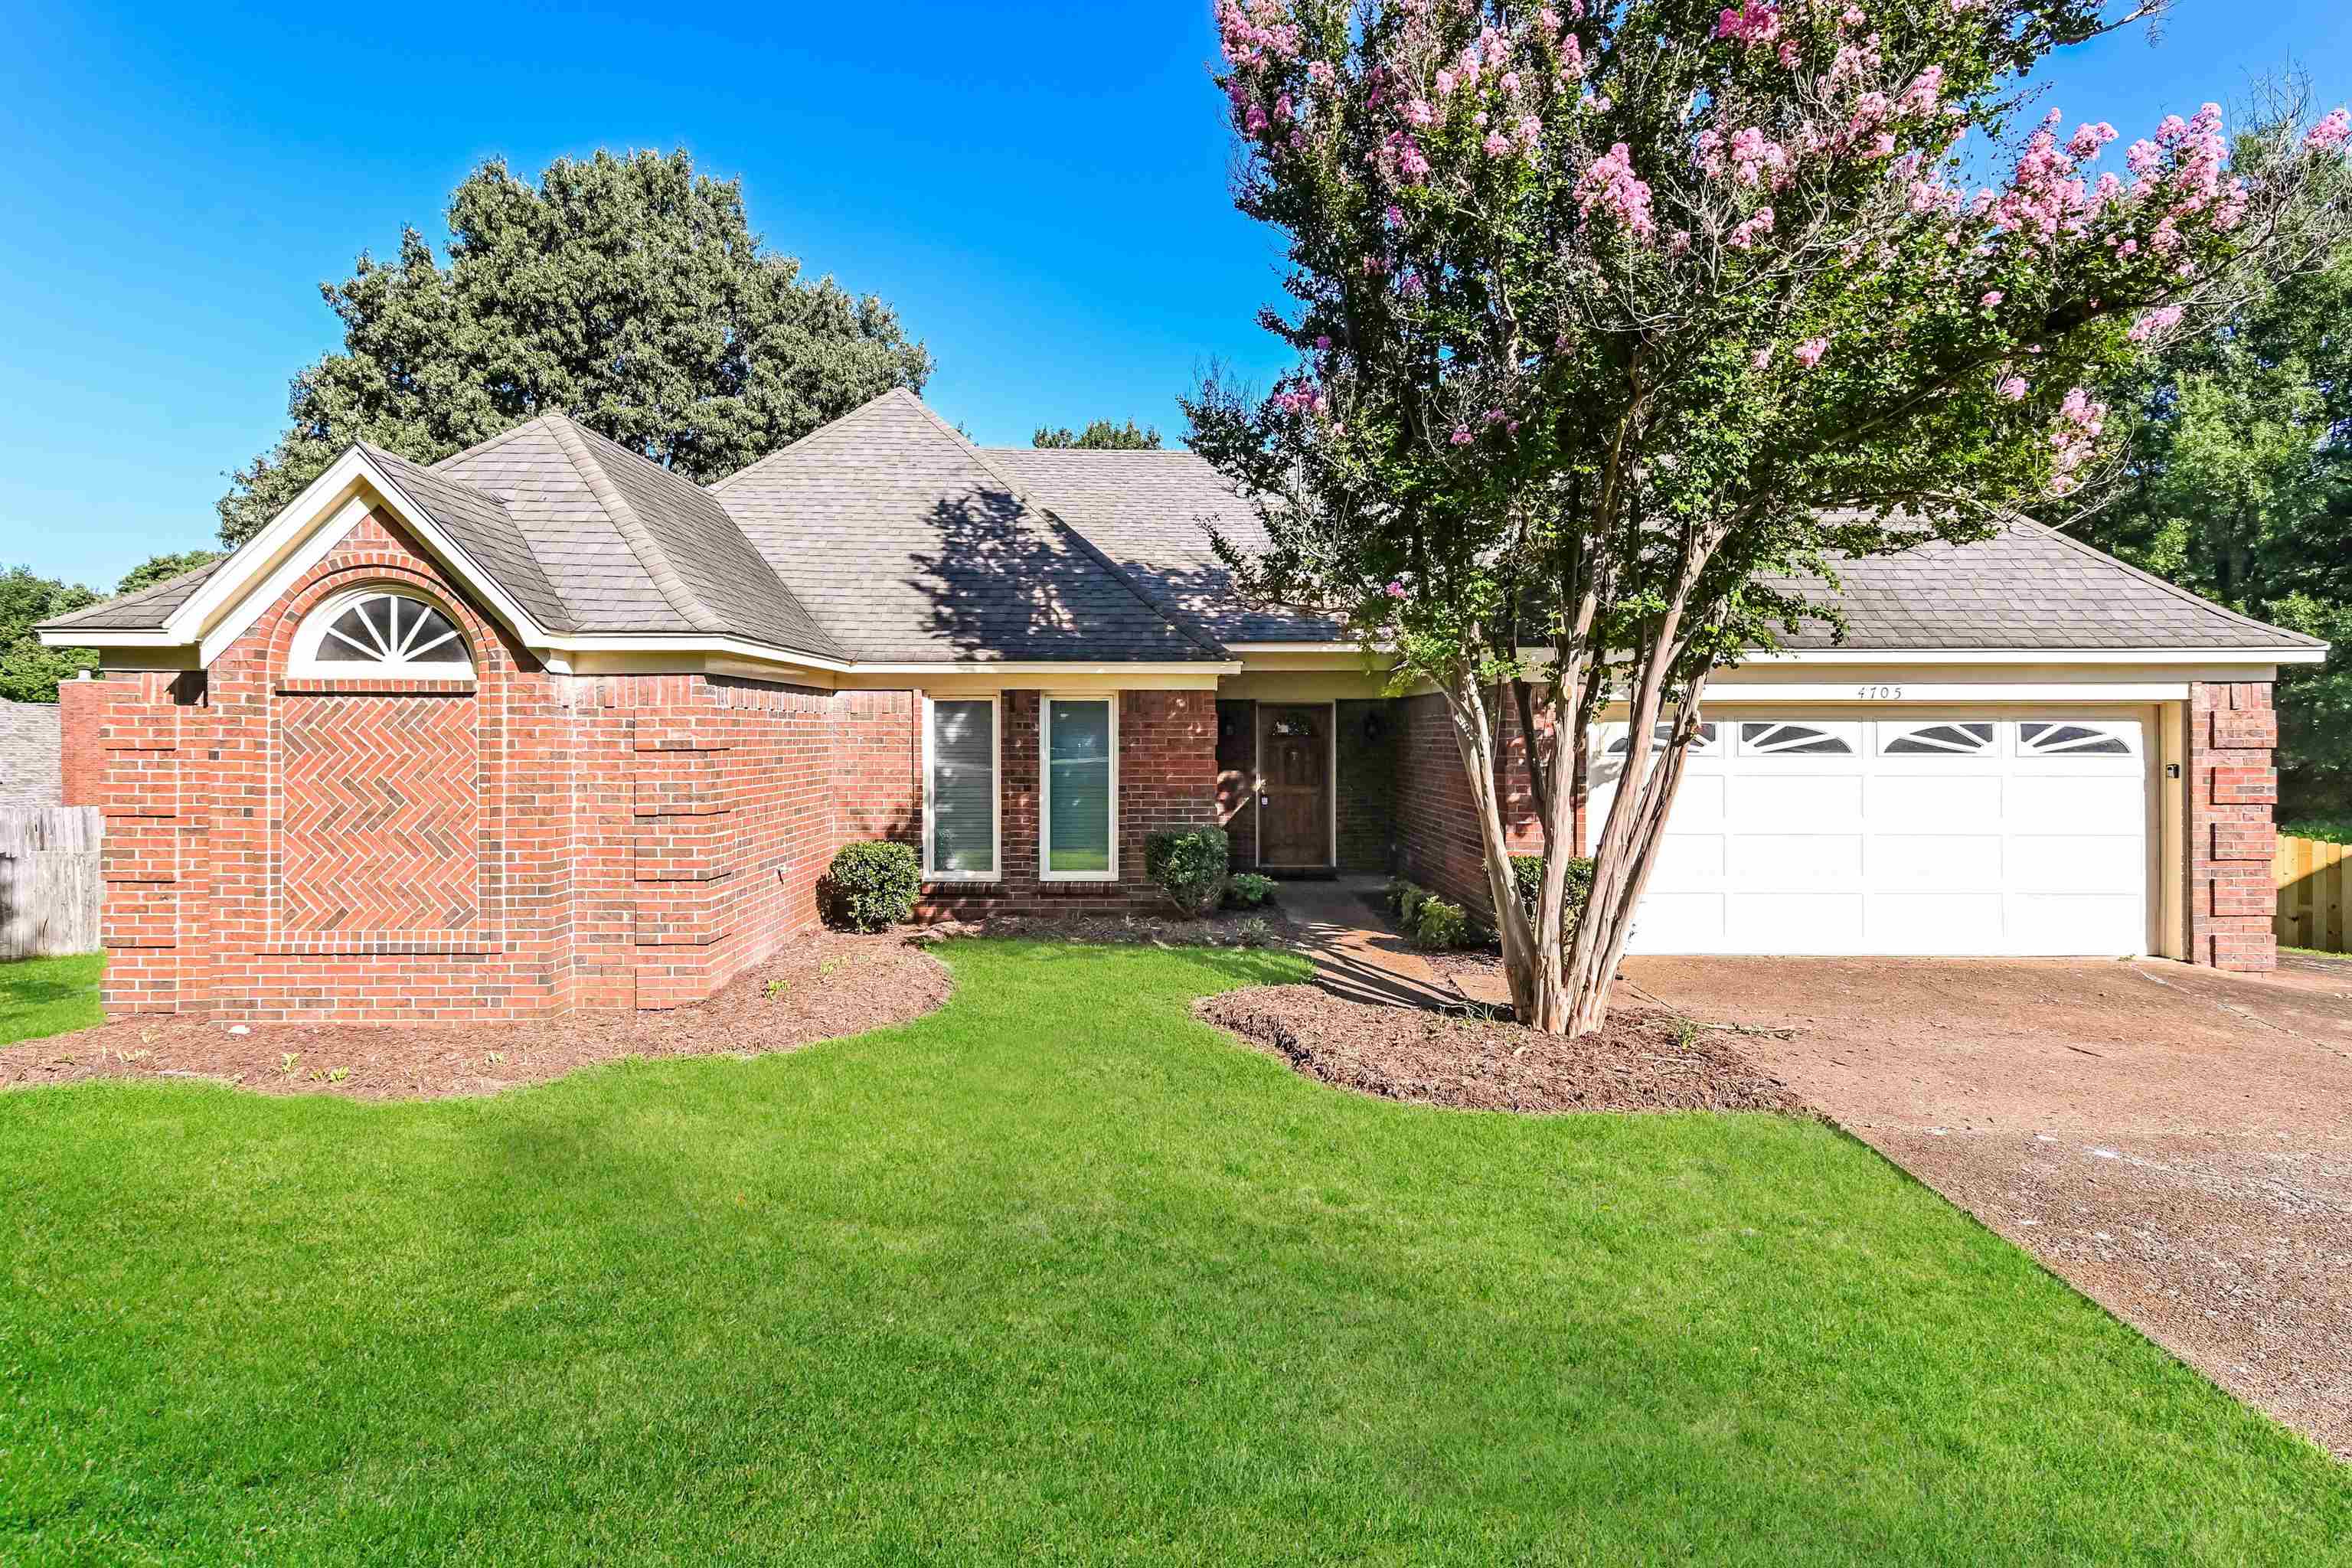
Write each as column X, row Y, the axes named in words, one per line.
column 641, row 539
column 2176, row 590
column 803, row 439
column 501, row 439
column 1184, row 624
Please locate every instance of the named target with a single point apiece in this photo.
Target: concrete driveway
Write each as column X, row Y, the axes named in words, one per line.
column 2177, row 1142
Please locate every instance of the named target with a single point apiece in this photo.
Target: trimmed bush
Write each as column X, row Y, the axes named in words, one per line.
column 874, row 885
column 1188, row 865
column 1441, row 924
column 1526, row 877
column 1248, row 891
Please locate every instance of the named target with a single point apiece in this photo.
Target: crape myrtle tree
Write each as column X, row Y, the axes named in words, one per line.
column 1615, row 320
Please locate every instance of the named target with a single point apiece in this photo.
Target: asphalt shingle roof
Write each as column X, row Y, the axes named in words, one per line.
column 1152, row 512
column 915, row 547
column 141, row 611
column 886, row 537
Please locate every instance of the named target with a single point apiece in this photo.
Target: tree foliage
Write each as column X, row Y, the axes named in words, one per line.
column 29, row 672
column 628, row 291
column 2239, row 485
column 1610, row 323
column 1102, row 435
column 163, row 568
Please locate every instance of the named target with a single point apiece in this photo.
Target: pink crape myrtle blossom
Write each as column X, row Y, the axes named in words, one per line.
column 1810, row 352
column 1610, row 185
column 2012, row 389
column 1756, row 21
column 1462, row 437
column 1396, row 590
column 2080, row 422
column 2332, row 132
column 1758, row 225
column 1991, row 297
column 2155, row 323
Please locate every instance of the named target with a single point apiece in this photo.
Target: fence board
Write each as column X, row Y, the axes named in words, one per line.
column 2315, row 909
column 51, row 885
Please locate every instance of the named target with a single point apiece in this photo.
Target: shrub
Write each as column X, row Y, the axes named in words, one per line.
column 1526, row 877
column 1188, row 865
column 874, row 885
column 1248, row 891
column 1255, row 932
column 1441, row 924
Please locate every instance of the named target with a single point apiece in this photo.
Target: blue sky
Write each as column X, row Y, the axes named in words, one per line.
column 1039, row 188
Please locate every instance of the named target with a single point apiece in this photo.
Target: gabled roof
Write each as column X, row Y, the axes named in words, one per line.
column 1152, row 513
column 484, row 531
column 916, row 548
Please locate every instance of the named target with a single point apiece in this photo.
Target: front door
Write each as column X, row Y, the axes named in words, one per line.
column 1294, row 761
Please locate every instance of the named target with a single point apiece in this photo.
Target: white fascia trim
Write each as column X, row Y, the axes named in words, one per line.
column 687, row 642
column 659, row 642
column 2040, row 655
column 1910, row 693
column 229, row 586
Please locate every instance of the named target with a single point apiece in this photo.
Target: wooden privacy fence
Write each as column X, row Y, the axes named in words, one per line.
column 2311, row 876
column 50, row 880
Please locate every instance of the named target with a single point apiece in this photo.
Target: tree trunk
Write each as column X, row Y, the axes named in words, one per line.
column 1536, row 999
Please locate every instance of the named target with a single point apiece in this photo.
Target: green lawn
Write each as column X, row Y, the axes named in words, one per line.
column 48, row 996
column 1056, row 1275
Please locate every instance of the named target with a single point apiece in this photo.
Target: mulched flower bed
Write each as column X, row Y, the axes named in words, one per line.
column 1641, row 1060
column 819, row 988
column 1226, row 928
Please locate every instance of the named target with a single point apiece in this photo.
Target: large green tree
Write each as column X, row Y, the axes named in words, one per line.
column 29, row 672
column 1102, row 435
column 2239, row 485
column 1609, row 318
column 628, row 291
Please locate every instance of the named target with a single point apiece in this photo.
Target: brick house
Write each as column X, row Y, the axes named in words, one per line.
column 545, row 726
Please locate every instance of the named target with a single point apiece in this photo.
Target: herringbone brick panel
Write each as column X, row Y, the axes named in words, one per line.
column 379, row 812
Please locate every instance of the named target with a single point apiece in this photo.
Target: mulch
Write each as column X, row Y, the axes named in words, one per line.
column 818, row 988
column 1640, row 1059
column 1266, row 926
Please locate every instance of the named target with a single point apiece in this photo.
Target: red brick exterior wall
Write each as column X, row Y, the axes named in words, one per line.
column 1436, row 824
column 522, row 842
column 2232, row 788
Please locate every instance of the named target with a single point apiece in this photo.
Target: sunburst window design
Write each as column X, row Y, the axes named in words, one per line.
column 1935, row 740
column 376, row 635
column 1793, row 740
column 2071, row 740
column 1701, row 739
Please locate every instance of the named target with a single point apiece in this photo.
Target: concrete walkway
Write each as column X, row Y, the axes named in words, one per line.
column 1359, row 954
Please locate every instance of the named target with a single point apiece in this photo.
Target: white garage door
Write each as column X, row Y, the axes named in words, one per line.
column 1945, row 836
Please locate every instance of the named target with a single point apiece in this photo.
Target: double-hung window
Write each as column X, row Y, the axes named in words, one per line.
column 1080, row 747
column 960, row 821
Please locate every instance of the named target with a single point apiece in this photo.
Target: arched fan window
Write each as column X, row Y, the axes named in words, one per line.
column 2071, row 740
column 376, row 633
column 1701, row 738
column 1935, row 740
column 1796, row 740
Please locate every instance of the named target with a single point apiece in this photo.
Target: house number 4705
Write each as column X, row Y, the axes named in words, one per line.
column 1879, row 693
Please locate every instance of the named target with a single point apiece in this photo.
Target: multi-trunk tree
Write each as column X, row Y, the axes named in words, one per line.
column 1618, row 323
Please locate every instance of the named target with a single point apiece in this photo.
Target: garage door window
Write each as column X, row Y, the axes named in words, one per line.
column 1660, row 734
column 1933, row 740
column 1795, row 739
column 2071, row 740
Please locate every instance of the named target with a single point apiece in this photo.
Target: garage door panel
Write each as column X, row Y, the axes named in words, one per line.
column 2091, row 804
column 1933, row 922
column 1938, row 862
column 1990, row 846
column 1795, row 859
column 1813, row 923
column 1933, row 800
column 2067, row 924
column 1792, row 799
column 1679, row 922
column 2079, row 863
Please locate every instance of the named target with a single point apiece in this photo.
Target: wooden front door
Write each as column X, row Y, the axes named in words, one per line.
column 1294, row 764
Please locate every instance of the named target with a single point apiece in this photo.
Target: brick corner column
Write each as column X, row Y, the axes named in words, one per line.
column 81, row 762
column 2232, row 787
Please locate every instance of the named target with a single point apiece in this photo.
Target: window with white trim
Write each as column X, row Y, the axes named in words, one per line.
column 1080, row 746
column 375, row 633
column 961, row 818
